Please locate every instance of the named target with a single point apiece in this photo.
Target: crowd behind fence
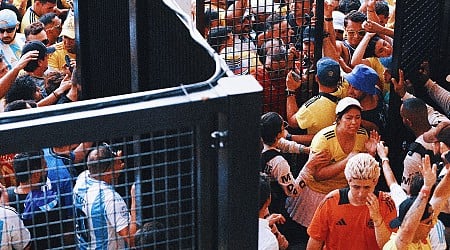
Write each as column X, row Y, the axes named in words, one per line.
column 152, row 170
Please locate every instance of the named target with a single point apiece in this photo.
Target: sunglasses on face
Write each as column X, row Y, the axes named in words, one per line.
column 359, row 32
column 8, row 30
column 57, row 27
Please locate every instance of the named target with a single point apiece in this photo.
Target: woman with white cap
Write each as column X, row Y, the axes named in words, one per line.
column 342, row 140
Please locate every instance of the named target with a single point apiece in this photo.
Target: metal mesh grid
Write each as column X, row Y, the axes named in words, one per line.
column 417, row 33
column 160, row 164
column 226, row 31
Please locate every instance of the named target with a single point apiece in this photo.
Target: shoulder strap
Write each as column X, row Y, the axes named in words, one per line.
column 416, row 147
column 420, row 149
column 13, row 199
column 267, row 156
column 329, row 96
column 11, row 194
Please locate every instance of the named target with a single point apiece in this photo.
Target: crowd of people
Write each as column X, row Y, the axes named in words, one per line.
column 62, row 196
column 333, row 111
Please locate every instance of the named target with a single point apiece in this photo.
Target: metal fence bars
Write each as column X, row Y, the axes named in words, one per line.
column 192, row 155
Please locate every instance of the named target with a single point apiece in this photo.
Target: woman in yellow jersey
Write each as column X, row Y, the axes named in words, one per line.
column 342, row 140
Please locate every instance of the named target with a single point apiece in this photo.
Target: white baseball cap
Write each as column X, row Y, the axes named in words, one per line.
column 345, row 103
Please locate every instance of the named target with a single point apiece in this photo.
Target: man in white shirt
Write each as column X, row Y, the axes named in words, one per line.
column 266, row 239
column 11, row 42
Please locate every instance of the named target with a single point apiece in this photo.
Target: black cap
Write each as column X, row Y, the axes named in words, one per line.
column 39, row 46
column 403, row 209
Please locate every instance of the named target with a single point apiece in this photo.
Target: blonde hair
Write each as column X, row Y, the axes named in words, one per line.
column 362, row 166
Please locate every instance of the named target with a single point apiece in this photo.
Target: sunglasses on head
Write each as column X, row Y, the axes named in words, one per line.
column 8, row 30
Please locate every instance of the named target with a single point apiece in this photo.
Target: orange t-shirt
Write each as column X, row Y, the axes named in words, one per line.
column 344, row 226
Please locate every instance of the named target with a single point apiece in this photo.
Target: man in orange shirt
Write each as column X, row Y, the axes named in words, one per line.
column 355, row 217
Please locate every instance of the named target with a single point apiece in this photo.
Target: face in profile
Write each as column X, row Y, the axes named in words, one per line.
column 383, row 48
column 355, row 93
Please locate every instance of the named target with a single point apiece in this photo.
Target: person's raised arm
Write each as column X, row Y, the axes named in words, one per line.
column 329, row 39
column 399, row 86
column 73, row 92
column 415, row 212
column 372, row 141
column 7, row 80
column 81, row 151
column 371, row 14
column 292, row 84
column 382, row 233
column 358, row 55
column 236, row 11
column 374, row 27
column 434, row 117
column 387, row 171
column 441, row 194
column 53, row 97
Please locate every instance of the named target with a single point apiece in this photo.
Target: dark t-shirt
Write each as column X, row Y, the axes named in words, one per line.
column 46, row 226
column 377, row 115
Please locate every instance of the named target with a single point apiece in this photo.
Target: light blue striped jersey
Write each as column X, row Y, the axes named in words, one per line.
column 101, row 213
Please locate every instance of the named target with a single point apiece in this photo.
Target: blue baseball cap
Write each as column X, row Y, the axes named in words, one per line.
column 328, row 72
column 8, row 19
column 309, row 34
column 363, row 78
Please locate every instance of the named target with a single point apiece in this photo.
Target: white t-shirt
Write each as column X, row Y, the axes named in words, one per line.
column 13, row 51
column 266, row 239
column 101, row 211
column 14, row 235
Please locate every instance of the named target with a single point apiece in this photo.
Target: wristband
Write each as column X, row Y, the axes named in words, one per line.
column 328, row 19
column 383, row 159
column 425, row 192
column 56, row 95
column 379, row 224
column 290, row 92
column 289, row 137
column 301, row 148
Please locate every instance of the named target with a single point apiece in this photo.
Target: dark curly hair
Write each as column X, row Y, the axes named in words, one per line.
column 23, row 88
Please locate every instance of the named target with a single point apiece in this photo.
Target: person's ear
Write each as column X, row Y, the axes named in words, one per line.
column 408, row 122
column 40, row 62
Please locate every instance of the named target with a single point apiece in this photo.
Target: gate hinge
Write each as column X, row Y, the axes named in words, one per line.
column 219, row 139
